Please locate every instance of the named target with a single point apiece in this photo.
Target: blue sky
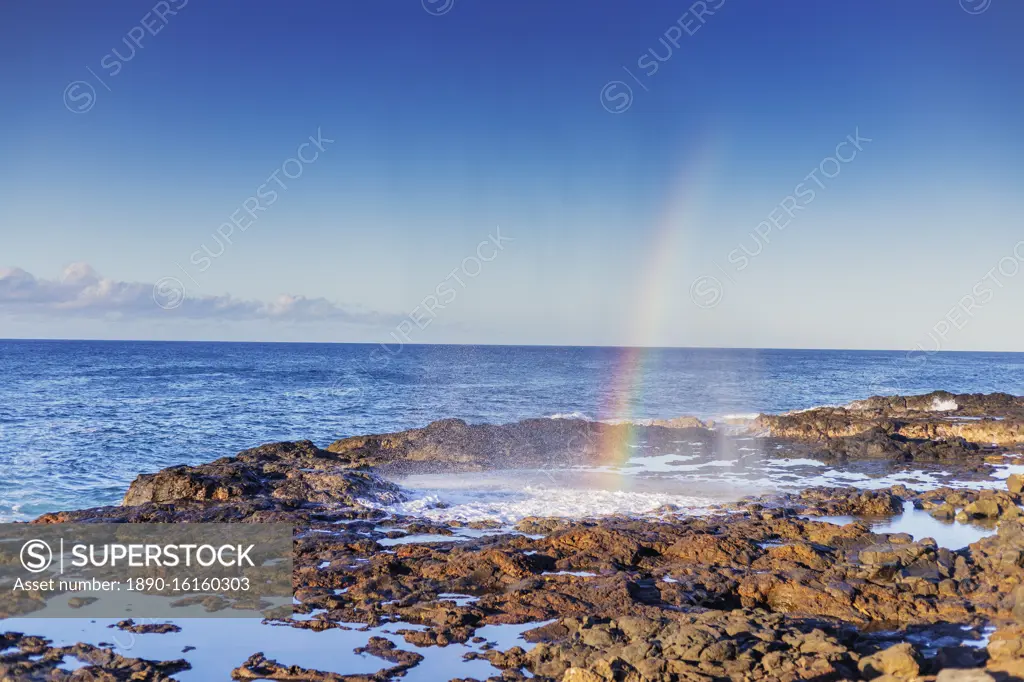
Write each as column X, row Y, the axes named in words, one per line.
column 437, row 125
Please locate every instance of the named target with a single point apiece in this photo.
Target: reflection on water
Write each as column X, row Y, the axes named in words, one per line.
column 920, row 524
column 222, row 645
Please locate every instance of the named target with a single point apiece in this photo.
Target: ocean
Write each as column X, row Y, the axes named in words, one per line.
column 80, row 419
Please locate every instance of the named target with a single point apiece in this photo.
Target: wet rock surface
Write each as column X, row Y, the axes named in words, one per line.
column 32, row 658
column 259, row 667
column 286, row 473
column 891, row 426
column 758, row 590
column 454, row 445
column 130, row 625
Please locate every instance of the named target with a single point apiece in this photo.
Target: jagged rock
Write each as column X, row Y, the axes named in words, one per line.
column 899, row 661
column 680, row 423
column 1007, row 643
column 130, row 625
column 581, row 675
column 296, row 473
column 386, row 649
column 34, row 658
column 982, row 509
column 753, row 592
column 877, row 443
column 1017, row 599
column 963, row 675
column 931, row 417
column 852, row 502
column 453, row 444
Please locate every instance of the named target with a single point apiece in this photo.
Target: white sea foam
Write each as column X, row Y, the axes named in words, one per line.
column 1004, row 471
column 947, row 405
column 610, row 420
column 667, row 463
column 823, row 406
column 642, row 485
column 570, row 415
column 619, row 421
column 631, row 422
column 510, row 507
column 665, row 483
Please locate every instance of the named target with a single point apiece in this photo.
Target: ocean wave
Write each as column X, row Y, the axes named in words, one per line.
column 947, row 405
column 11, row 513
column 570, row 415
column 631, row 422
column 611, row 421
column 825, row 406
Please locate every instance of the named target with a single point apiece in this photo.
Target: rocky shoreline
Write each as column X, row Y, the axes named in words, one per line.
column 759, row 589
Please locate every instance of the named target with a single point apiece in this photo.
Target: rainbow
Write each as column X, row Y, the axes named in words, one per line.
column 658, row 297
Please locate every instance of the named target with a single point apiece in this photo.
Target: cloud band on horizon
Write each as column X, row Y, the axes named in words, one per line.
column 81, row 290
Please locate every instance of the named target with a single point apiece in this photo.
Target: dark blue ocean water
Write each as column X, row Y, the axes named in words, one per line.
column 80, row 419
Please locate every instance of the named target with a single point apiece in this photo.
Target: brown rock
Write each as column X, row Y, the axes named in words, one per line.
column 130, row 625
column 287, row 472
column 899, row 661
column 680, row 423
column 910, row 427
column 961, row 675
column 982, row 509
column 1007, row 643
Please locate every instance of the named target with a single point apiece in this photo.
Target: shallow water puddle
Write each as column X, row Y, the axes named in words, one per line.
column 920, row 524
column 422, row 538
column 459, row 599
column 222, row 645
column 71, row 664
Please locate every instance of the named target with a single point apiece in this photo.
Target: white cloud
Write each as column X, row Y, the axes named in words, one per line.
column 82, row 291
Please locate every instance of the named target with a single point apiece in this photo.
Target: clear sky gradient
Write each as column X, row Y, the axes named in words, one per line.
column 627, row 191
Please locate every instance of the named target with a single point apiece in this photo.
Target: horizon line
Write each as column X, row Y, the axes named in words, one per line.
column 511, row 345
